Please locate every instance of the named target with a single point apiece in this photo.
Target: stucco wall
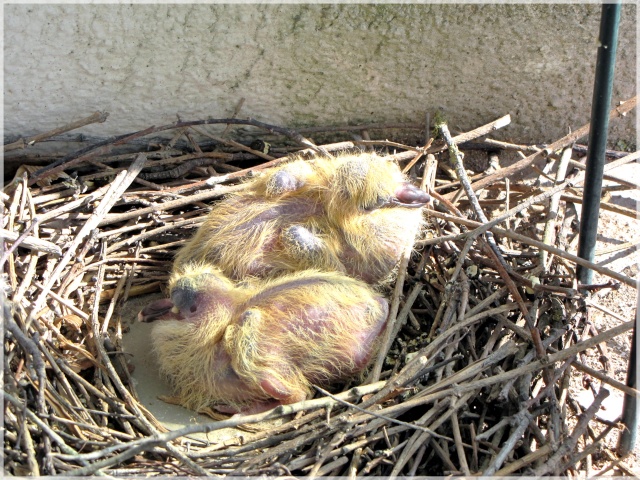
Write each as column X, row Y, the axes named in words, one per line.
column 303, row 64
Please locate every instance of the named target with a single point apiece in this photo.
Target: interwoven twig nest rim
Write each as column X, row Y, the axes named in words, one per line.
column 463, row 389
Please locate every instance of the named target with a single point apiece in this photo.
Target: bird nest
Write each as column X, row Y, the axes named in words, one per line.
column 486, row 323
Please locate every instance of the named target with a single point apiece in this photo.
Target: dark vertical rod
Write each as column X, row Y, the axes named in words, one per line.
column 629, row 436
column 602, row 88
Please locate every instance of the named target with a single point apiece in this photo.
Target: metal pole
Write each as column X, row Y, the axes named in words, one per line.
column 602, row 88
column 629, row 436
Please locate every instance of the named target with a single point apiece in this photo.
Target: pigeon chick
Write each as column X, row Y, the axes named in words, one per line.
column 353, row 214
column 250, row 347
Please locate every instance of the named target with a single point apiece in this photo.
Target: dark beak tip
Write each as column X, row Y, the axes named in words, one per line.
column 410, row 195
column 424, row 198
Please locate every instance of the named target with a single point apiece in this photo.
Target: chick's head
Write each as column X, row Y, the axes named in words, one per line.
column 187, row 337
column 367, row 182
column 199, row 294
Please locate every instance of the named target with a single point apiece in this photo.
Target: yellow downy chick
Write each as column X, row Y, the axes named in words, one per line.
column 353, row 214
column 251, row 347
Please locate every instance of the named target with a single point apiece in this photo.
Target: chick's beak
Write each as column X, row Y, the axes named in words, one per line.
column 159, row 310
column 408, row 195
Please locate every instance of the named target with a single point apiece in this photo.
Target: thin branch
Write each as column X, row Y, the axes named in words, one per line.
column 568, row 445
column 535, row 243
column 32, row 243
column 97, row 117
column 387, row 337
column 117, row 188
column 564, row 142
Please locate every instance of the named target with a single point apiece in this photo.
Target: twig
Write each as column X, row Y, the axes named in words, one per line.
column 627, row 158
column 417, row 459
column 408, row 304
column 455, row 427
column 27, row 445
column 552, row 213
column 575, row 457
column 628, row 212
column 564, row 142
column 118, row 186
column 569, row 444
column 520, row 421
column 530, row 241
column 32, row 243
column 387, row 337
column 478, row 132
column 97, row 117
column 617, row 248
column 602, row 308
column 618, row 462
column 216, row 192
column 528, row 459
column 373, row 414
column 605, row 379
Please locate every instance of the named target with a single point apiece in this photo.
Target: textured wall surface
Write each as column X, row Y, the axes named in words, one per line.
column 305, row 65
